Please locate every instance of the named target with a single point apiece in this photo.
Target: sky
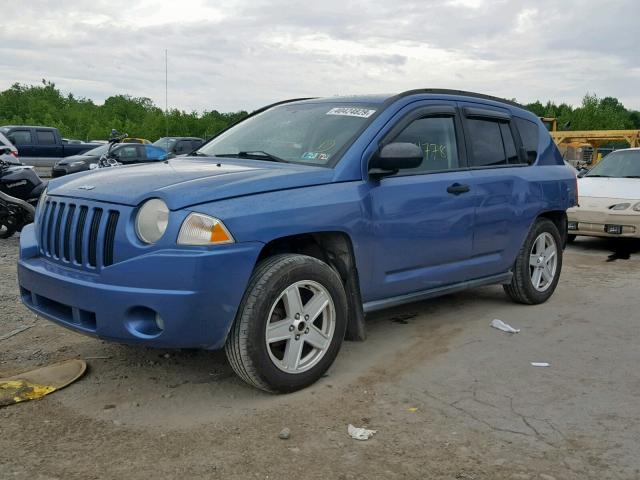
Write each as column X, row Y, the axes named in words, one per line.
column 233, row 55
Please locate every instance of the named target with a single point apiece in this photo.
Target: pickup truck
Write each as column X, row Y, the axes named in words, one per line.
column 42, row 147
column 274, row 239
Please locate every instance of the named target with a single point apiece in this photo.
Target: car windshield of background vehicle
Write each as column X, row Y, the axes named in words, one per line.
column 621, row 164
column 309, row 133
column 98, row 150
column 165, row 142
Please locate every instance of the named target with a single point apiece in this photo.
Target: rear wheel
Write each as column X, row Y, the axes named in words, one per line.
column 290, row 325
column 537, row 268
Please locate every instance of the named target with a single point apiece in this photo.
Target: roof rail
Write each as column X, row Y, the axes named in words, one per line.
column 444, row 91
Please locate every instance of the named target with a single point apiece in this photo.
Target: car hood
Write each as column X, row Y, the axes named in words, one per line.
column 602, row 187
column 185, row 182
column 76, row 158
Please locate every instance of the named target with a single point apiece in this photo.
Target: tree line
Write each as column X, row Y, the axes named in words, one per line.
column 81, row 118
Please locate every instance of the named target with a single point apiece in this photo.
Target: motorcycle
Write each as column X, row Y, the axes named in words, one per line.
column 106, row 159
column 20, row 190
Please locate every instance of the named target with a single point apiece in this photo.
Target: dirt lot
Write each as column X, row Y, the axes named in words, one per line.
column 450, row 397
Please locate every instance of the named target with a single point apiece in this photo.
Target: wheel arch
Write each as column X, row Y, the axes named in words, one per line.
column 335, row 248
column 559, row 218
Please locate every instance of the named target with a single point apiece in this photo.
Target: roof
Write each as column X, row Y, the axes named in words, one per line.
column 27, row 126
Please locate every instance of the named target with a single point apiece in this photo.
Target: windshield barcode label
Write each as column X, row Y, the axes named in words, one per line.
column 351, row 112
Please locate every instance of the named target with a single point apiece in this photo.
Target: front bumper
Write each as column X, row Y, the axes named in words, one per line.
column 596, row 221
column 196, row 293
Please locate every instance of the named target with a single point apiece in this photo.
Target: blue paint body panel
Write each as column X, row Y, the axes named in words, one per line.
column 409, row 235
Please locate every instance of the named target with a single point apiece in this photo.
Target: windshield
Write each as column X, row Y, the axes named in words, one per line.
column 310, row 133
column 166, row 142
column 98, row 150
column 620, row 164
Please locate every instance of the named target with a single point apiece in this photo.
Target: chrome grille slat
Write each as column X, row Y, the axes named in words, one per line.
column 66, row 253
column 93, row 236
column 56, row 230
column 80, row 234
column 109, row 237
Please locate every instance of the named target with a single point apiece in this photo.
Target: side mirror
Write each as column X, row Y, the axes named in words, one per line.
column 394, row 157
column 582, row 172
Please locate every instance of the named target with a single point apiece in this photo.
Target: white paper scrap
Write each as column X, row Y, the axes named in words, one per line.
column 505, row 327
column 360, row 433
column 540, row 364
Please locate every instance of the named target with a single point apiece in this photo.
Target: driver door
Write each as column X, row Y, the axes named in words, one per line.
column 423, row 217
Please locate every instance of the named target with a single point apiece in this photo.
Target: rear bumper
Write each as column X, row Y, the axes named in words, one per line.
column 595, row 223
column 195, row 292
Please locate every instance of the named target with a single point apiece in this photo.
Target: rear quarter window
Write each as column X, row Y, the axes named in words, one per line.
column 529, row 134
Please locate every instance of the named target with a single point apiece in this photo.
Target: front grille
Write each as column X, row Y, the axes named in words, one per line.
column 78, row 235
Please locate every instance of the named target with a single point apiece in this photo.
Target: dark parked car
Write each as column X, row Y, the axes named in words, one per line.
column 42, row 146
column 125, row 153
column 179, row 145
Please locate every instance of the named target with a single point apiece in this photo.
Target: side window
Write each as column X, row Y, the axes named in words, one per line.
column 485, row 139
column 509, row 144
column 20, row 137
column 436, row 136
column 183, row 146
column 195, row 144
column 45, row 137
column 529, row 132
column 127, row 153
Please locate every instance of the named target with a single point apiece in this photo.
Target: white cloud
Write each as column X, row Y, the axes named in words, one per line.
column 237, row 54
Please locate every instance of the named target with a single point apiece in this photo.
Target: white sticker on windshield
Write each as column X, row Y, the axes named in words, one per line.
column 351, row 112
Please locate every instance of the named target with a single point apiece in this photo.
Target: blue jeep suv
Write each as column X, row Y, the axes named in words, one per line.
column 277, row 237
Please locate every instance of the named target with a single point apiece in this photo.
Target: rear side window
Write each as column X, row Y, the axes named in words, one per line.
column 436, row 136
column 529, row 133
column 509, row 143
column 45, row 137
column 485, row 139
column 127, row 152
column 20, row 137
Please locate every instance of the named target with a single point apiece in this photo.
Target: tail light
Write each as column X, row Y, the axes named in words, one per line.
column 15, row 154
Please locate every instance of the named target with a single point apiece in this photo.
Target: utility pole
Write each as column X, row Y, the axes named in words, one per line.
column 166, row 94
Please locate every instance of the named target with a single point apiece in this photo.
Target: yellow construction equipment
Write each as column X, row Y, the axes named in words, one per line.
column 593, row 138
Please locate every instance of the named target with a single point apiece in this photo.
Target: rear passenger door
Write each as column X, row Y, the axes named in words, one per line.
column 47, row 144
column 499, row 169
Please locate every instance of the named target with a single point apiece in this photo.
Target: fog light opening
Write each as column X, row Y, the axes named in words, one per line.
column 143, row 322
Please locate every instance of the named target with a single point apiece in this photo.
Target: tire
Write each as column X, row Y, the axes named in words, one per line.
column 267, row 359
column 531, row 284
column 571, row 238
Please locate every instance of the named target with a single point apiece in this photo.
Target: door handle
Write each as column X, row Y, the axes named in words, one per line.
column 457, row 188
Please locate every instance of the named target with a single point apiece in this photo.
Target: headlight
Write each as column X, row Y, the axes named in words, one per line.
column 152, row 220
column 620, row 206
column 76, row 164
column 636, row 207
column 199, row 229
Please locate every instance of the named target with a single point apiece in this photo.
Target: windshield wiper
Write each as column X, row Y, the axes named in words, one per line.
column 603, row 176
column 198, row 154
column 261, row 154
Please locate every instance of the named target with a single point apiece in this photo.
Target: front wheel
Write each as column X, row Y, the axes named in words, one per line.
column 537, row 268
column 290, row 324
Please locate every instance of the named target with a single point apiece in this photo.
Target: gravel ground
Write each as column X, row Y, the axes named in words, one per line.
column 451, row 397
